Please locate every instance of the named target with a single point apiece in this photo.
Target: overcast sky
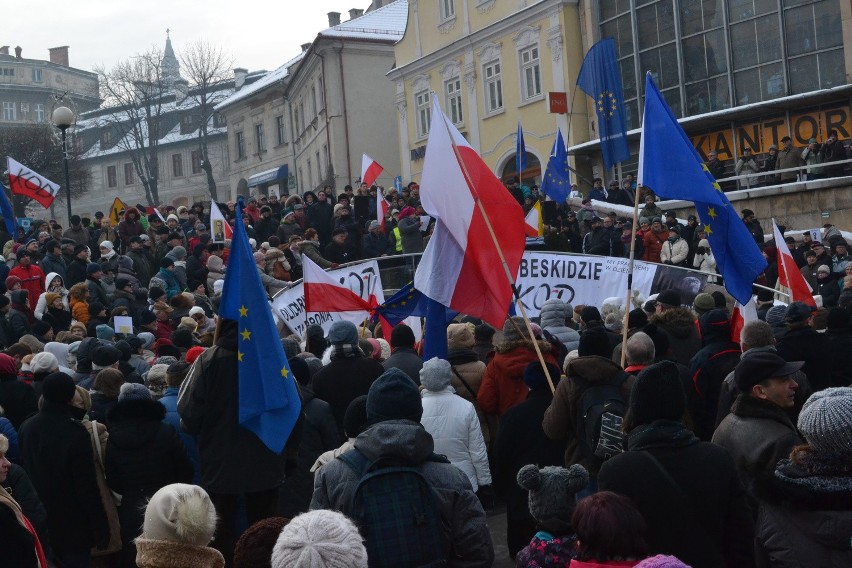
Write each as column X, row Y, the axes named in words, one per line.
column 257, row 34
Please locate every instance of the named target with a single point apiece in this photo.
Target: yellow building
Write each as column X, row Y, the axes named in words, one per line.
column 492, row 64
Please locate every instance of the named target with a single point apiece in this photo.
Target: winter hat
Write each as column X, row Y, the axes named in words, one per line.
column 51, row 297
column 553, row 490
column 156, row 377
column 167, row 262
column 133, row 391
column 657, row 394
column 534, row 376
column 218, row 285
column 147, row 338
column 58, row 388
column 386, row 348
column 826, row 420
column 95, row 308
column 775, row 315
column 44, row 362
column 193, row 353
column 343, row 333
column 402, row 336
column 104, row 332
column 355, row 417
column 8, row 366
column 188, row 323
column 319, row 538
column 376, row 347
column 460, row 336
column 515, row 330
column 104, row 356
column 393, row 396
column 589, row 314
column 40, row 327
column 93, row 268
column 662, row 561
column 798, row 312
column 637, row 318
column 254, row 548
column 34, row 344
column 146, row 317
column 301, row 371
column 824, row 268
column 180, row 513
column 121, row 283
column 196, row 310
column 758, row 367
column 669, row 298
column 595, row 341
column 124, row 347
column 436, row 374
column 703, row 303
column 107, row 245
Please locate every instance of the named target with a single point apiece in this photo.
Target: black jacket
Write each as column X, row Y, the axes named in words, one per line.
column 56, row 452
column 343, row 380
column 840, row 341
column 406, row 360
column 76, row 272
column 18, row 399
column 708, row 369
column 805, row 344
column 707, row 522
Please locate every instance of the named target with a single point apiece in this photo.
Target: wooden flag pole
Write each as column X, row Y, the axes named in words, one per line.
column 505, row 264
column 629, row 279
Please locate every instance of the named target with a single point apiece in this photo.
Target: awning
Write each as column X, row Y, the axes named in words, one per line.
column 269, row 176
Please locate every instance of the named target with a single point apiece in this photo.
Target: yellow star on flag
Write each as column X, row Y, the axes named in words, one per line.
column 284, row 372
column 240, row 356
column 711, row 211
column 243, row 311
column 246, row 334
column 707, row 229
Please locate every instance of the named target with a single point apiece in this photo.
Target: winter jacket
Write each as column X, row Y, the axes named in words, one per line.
column 374, row 245
column 310, row 249
column 215, row 271
column 598, row 242
column 789, row 159
column 412, row 238
column 32, row 279
column 466, row 380
column 18, row 400
column 758, row 433
column 705, row 520
column 554, row 314
column 101, row 405
column 80, row 310
column 406, row 360
column 122, row 299
column 562, row 416
column 705, row 262
column 547, row 549
column 462, row 515
column 827, row 288
column 172, row 286
column 806, row 344
column 745, row 167
column 343, row 380
column 674, row 253
column 653, row 243
column 679, row 325
column 51, row 264
column 502, row 384
column 20, row 317
column 98, row 293
column 41, row 304
column 454, row 426
column 76, row 272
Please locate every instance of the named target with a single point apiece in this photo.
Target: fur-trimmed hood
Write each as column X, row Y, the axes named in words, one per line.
column 165, row 554
column 680, row 322
column 523, row 344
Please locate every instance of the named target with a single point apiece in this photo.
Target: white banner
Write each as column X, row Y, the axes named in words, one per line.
column 362, row 278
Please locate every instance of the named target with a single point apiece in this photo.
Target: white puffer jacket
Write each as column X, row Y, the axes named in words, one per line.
column 454, row 425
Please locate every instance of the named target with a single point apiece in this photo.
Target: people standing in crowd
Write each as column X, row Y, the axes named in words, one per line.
column 403, row 355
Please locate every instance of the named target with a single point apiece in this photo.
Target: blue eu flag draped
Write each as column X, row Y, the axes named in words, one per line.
column 269, row 401
column 409, row 301
column 520, row 151
column 600, row 78
column 671, row 167
column 557, row 180
column 8, row 213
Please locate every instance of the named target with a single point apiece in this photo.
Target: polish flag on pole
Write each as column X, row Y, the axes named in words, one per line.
column 467, row 265
column 789, row 274
column 534, row 223
column 382, row 209
column 741, row 316
column 219, row 227
column 370, row 170
column 24, row 181
column 325, row 294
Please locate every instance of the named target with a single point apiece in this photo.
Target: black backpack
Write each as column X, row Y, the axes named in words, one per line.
column 397, row 513
column 601, row 413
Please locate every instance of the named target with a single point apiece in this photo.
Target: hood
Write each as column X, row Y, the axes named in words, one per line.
column 50, row 277
column 401, row 439
column 593, row 368
column 680, row 322
column 125, row 262
column 58, row 350
column 715, row 327
column 554, row 313
column 523, row 344
column 134, row 423
column 19, row 296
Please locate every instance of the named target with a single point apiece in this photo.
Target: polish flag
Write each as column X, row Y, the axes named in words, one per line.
column 534, row 223
column 217, row 222
column 461, row 267
column 789, row 274
column 370, row 170
column 24, row 181
column 382, row 209
column 741, row 316
column 325, row 294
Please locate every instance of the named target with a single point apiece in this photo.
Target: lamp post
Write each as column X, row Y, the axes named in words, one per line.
column 63, row 117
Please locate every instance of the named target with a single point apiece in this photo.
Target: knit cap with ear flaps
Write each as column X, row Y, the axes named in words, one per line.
column 553, row 490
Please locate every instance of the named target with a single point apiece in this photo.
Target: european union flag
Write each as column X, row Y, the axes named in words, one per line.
column 8, row 213
column 411, row 302
column 670, row 166
column 600, row 78
column 557, row 179
column 520, row 151
column 269, row 401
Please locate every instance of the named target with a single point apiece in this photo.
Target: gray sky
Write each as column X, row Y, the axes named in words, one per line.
column 258, row 34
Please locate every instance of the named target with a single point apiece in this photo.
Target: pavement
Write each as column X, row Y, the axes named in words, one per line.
column 497, row 528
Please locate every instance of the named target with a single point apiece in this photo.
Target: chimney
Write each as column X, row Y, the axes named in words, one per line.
column 181, row 90
column 4, row 50
column 239, row 78
column 306, row 46
column 333, row 19
column 18, row 52
column 355, row 13
column 59, row 55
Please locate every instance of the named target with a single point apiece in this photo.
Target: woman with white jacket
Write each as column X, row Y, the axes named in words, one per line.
column 675, row 250
column 704, row 260
column 55, row 285
column 453, row 423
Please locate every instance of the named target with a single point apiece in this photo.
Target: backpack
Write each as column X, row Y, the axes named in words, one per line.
column 601, row 412
column 397, row 513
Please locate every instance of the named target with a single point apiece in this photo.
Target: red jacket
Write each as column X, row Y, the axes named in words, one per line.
column 654, row 244
column 502, row 384
column 32, row 280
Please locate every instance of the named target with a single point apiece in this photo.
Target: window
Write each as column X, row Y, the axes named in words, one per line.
column 423, row 113
column 296, row 123
column 279, row 129
column 38, row 112
column 301, row 183
column 240, row 145
column 447, row 8
column 106, row 138
column 454, row 100
column 530, row 73
column 310, row 175
column 37, row 76
column 9, row 111
column 301, row 117
column 258, row 137
column 314, row 100
column 111, row 178
column 325, row 155
column 814, row 41
column 493, row 86
column 177, row 165
column 128, row 174
column 319, row 167
column 321, row 93
column 195, row 156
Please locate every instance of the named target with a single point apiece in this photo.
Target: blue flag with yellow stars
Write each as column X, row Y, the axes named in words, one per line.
column 7, row 212
column 600, row 78
column 409, row 301
column 269, row 401
column 557, row 179
column 671, row 167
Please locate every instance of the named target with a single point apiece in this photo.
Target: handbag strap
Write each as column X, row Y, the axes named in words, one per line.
column 96, row 439
column 464, row 382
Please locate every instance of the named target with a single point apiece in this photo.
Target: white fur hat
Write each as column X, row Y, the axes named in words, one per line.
column 180, row 513
column 319, row 538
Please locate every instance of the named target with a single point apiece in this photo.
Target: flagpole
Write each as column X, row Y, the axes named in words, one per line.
column 629, row 280
column 497, row 247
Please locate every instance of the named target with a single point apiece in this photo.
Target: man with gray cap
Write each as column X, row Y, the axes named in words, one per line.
column 350, row 373
column 758, row 432
column 374, row 243
column 395, row 438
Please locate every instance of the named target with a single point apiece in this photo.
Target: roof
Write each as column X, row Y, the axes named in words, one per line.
column 385, row 23
column 267, row 80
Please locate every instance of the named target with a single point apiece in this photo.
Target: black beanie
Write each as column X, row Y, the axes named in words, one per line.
column 657, row 394
column 300, row 370
column 590, row 314
column 402, row 336
column 637, row 318
column 595, row 342
column 58, row 387
column 394, row 396
column 355, row 418
column 535, row 378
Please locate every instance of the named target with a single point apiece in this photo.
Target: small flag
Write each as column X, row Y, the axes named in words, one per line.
column 789, row 274
column 382, row 209
column 742, row 315
column 370, row 170
column 24, row 181
column 520, row 151
column 534, row 223
column 557, row 179
column 219, row 227
column 116, row 209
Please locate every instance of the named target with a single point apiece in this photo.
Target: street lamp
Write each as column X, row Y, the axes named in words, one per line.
column 63, row 117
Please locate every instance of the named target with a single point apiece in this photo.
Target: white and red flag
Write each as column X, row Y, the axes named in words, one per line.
column 219, row 227
column 370, row 170
column 740, row 316
column 789, row 274
column 24, row 181
column 382, row 209
column 461, row 267
column 534, row 223
column 325, row 294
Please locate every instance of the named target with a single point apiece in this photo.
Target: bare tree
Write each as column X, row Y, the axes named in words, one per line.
column 134, row 89
column 208, row 72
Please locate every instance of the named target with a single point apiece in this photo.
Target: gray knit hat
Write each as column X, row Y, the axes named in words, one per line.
column 775, row 315
column 343, row 333
column 515, row 330
column 133, row 391
column 436, row 374
column 553, row 490
column 826, row 420
column 320, row 538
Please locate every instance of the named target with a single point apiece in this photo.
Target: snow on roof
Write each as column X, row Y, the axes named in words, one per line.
column 385, row 23
column 269, row 79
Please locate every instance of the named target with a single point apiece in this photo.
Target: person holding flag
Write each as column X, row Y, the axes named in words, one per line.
column 241, row 402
